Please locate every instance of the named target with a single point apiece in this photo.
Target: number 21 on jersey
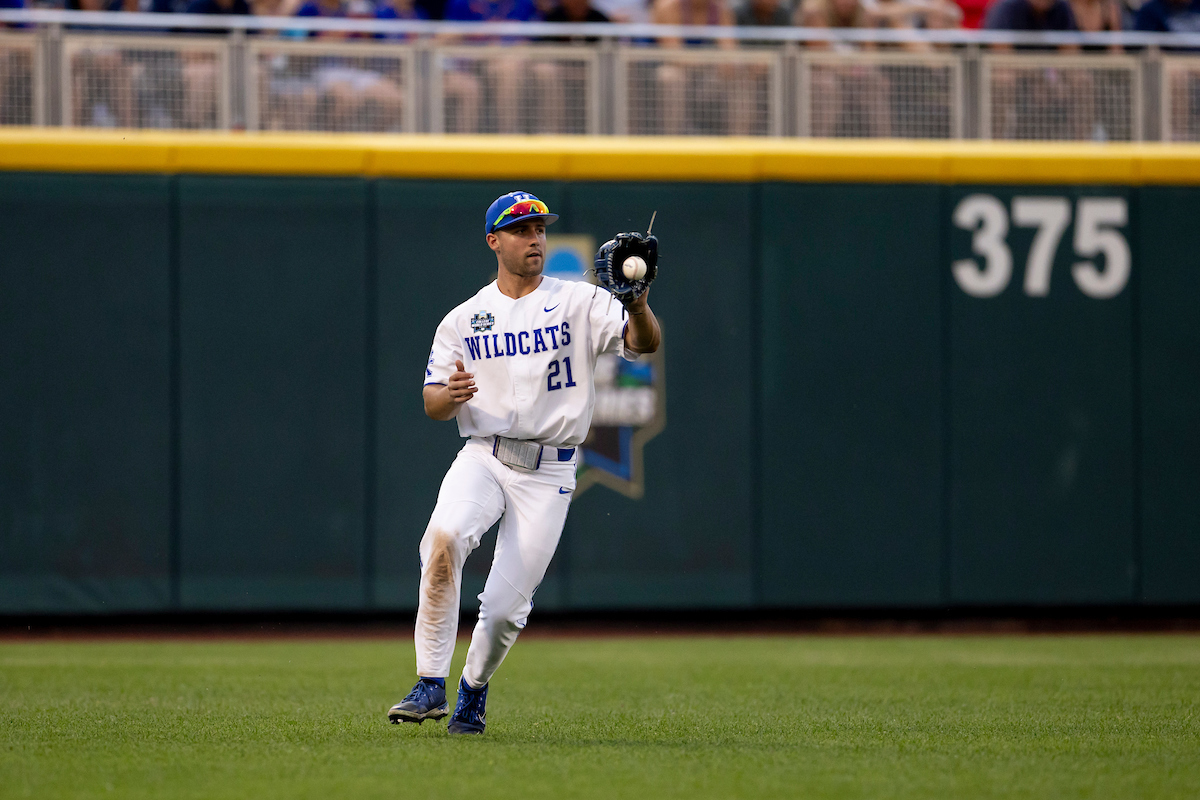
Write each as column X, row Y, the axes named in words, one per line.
column 555, row 369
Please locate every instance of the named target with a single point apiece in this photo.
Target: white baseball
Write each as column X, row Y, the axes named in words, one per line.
column 634, row 268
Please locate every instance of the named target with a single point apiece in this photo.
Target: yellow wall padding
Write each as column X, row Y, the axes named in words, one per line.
column 597, row 158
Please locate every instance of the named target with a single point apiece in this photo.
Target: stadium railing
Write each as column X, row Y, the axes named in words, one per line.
column 905, row 95
column 296, row 86
column 514, row 89
column 1061, row 97
column 22, row 83
column 278, row 73
column 131, row 81
column 713, row 92
column 1179, row 101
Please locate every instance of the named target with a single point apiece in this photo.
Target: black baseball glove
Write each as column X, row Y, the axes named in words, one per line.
column 610, row 259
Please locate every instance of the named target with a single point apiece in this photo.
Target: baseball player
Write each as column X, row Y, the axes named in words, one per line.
column 514, row 366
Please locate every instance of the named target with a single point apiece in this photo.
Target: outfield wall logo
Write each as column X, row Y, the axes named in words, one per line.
column 631, row 401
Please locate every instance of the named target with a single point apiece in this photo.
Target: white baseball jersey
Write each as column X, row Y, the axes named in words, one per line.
column 532, row 359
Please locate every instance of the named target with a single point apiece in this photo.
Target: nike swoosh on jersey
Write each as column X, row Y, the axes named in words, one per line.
column 561, row 490
column 551, row 308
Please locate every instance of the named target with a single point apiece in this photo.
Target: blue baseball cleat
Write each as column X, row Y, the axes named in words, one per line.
column 469, row 713
column 427, row 700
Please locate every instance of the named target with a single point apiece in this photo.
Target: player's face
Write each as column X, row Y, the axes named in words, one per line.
column 521, row 247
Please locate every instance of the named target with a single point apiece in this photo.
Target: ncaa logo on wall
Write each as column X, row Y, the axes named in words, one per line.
column 631, row 400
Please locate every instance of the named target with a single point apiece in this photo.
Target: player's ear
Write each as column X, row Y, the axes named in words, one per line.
column 493, row 241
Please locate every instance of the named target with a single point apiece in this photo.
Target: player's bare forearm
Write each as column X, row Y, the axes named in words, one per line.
column 643, row 334
column 443, row 402
column 438, row 403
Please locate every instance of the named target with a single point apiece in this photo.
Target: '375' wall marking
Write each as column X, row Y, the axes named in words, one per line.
column 1098, row 221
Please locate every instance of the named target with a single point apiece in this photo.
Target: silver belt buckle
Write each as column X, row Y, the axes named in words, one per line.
column 516, row 453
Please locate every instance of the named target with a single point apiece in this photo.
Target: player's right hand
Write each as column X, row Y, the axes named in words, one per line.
column 461, row 385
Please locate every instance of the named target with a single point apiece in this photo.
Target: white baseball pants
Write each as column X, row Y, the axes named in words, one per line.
column 476, row 491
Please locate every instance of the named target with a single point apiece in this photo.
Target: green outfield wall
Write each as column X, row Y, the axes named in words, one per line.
column 895, row 376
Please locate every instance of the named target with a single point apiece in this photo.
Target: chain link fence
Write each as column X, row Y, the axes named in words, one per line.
column 864, row 94
column 111, row 81
column 533, row 89
column 1180, row 104
column 679, row 92
column 1057, row 97
column 20, row 85
column 301, row 86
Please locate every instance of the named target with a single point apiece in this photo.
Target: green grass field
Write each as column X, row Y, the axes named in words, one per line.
column 922, row 717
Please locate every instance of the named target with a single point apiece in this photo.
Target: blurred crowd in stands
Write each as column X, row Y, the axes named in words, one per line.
column 339, row 90
column 1017, row 15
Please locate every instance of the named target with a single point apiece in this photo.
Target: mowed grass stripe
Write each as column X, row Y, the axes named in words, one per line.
column 696, row 717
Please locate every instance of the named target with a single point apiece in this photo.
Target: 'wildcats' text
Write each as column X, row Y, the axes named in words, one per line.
column 499, row 345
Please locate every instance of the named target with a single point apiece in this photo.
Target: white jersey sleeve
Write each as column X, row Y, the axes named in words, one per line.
column 608, row 320
column 447, row 348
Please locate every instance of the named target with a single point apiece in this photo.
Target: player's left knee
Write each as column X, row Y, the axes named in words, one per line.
column 512, row 614
column 517, row 617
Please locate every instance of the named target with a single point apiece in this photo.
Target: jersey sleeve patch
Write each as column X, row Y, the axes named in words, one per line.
column 447, row 348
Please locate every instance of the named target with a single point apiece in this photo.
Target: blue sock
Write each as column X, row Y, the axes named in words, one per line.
column 439, row 681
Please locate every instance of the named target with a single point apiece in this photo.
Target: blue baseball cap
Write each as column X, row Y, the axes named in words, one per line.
column 514, row 206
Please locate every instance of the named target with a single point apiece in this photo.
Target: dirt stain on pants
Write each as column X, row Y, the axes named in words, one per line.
column 437, row 584
column 439, row 589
